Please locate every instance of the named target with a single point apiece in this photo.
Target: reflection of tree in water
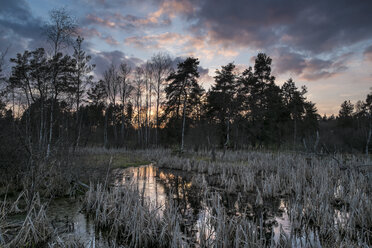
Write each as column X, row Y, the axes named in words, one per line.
column 185, row 195
column 191, row 201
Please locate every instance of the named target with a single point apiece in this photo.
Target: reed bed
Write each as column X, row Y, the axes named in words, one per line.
column 127, row 219
column 33, row 230
column 326, row 202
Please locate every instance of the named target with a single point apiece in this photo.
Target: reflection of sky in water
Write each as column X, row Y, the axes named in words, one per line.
column 59, row 209
column 146, row 180
column 283, row 222
column 157, row 185
column 161, row 187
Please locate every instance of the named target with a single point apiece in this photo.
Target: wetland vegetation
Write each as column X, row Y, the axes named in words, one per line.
column 144, row 156
column 239, row 199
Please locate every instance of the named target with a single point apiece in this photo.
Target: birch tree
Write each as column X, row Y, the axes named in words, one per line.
column 125, row 90
column 161, row 66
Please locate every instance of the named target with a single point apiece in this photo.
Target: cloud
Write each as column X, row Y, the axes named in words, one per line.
column 88, row 32
column 111, row 41
column 17, row 20
column 187, row 45
column 308, row 68
column 94, row 19
column 103, row 60
column 368, row 53
column 127, row 22
column 315, row 26
column 171, row 8
column 19, row 29
column 94, row 33
column 205, row 79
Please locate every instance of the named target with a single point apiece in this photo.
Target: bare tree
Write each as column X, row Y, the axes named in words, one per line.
column 368, row 108
column 60, row 29
column 138, row 84
column 112, row 82
column 125, row 89
column 161, row 66
column 148, row 88
column 82, row 78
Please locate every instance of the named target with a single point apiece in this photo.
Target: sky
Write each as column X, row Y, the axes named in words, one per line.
column 324, row 45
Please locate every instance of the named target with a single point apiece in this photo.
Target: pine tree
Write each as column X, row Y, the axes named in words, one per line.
column 183, row 90
column 223, row 101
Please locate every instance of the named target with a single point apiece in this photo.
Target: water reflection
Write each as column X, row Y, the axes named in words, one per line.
column 145, row 179
column 162, row 186
column 64, row 212
column 191, row 193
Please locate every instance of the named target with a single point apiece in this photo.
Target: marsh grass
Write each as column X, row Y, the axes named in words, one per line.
column 327, row 205
column 129, row 220
column 33, row 230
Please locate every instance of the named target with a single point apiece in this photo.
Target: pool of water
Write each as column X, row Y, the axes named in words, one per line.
column 160, row 186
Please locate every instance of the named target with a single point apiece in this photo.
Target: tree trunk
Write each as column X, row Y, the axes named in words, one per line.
column 105, row 136
column 183, row 123
column 41, row 123
column 295, row 132
column 316, row 141
column 157, row 114
column 146, row 115
column 149, row 127
column 77, row 122
column 122, row 127
column 79, row 131
column 50, row 128
column 123, row 116
column 368, row 138
column 227, row 133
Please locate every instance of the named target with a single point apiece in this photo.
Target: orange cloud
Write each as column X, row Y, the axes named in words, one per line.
column 188, row 45
column 173, row 7
column 88, row 32
column 95, row 19
column 110, row 40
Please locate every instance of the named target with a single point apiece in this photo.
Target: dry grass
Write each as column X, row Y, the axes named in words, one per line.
column 324, row 200
column 34, row 230
column 128, row 220
column 327, row 205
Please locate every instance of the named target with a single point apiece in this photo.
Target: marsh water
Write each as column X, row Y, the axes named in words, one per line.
column 160, row 187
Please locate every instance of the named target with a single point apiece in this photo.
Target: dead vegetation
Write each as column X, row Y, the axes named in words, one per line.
column 326, row 205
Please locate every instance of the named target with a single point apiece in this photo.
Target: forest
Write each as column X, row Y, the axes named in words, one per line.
column 59, row 123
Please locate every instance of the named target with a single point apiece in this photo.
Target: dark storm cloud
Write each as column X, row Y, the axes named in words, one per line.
column 103, row 60
column 16, row 19
column 315, row 26
column 19, row 29
column 308, row 68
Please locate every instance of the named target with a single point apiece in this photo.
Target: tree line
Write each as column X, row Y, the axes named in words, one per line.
column 50, row 100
